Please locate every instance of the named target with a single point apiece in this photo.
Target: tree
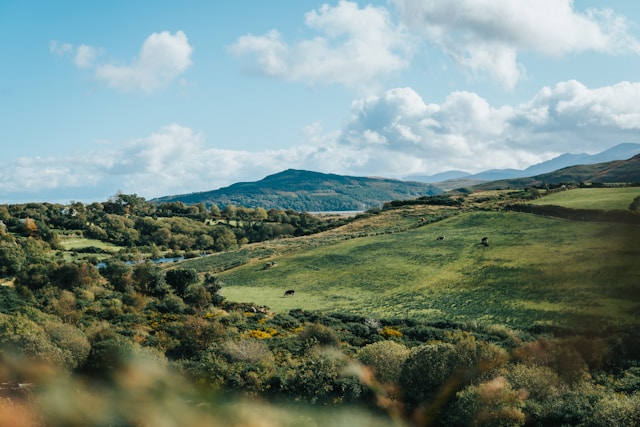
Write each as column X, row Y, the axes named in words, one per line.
column 149, row 279
column 181, row 278
column 224, row 238
column 229, row 212
column 213, row 285
column 214, row 211
column 197, row 296
column 119, row 275
column 30, row 227
column 12, row 258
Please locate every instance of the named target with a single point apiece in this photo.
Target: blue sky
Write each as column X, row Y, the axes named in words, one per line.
column 163, row 97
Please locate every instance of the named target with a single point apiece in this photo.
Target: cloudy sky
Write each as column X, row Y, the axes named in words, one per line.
column 159, row 97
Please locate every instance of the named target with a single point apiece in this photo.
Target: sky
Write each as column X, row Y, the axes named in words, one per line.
column 158, row 97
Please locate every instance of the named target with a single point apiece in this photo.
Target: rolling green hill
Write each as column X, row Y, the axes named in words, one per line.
column 620, row 171
column 592, row 198
column 535, row 271
column 310, row 191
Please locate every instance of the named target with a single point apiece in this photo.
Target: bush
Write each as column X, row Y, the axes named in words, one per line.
column 109, row 352
column 616, row 410
column 493, row 403
column 385, row 358
column 250, row 351
column 426, row 369
column 72, row 342
column 319, row 334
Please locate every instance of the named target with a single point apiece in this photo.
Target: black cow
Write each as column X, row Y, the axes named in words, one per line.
column 289, row 292
column 440, row 238
column 485, row 241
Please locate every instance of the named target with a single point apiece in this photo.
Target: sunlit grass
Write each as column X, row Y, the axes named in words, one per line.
column 535, row 270
column 76, row 242
column 592, row 198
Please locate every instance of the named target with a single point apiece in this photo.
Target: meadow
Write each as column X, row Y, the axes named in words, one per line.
column 592, row 198
column 535, row 271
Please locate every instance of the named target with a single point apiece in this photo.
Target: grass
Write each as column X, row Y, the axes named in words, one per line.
column 592, row 198
column 71, row 242
column 536, row 270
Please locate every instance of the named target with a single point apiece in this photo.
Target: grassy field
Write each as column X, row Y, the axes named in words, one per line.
column 592, row 198
column 535, row 271
column 72, row 242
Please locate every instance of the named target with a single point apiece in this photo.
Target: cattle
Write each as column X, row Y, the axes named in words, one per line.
column 440, row 238
column 269, row 264
column 485, row 241
column 289, row 292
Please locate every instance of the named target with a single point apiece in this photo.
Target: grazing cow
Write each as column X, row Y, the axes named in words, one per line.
column 440, row 238
column 485, row 241
column 289, row 292
column 269, row 264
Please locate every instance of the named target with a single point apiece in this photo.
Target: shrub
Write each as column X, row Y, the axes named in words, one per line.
column 250, row 351
column 389, row 332
column 109, row 352
column 616, row 410
column 72, row 342
column 259, row 334
column 426, row 369
column 493, row 403
column 385, row 359
column 320, row 334
column 541, row 382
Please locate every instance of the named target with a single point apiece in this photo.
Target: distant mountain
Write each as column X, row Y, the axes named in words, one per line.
column 618, row 171
column 619, row 152
column 439, row 177
column 308, row 191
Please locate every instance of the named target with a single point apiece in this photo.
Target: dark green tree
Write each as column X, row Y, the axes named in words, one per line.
column 180, row 279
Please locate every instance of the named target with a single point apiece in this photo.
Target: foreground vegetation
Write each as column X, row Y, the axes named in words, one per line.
column 389, row 325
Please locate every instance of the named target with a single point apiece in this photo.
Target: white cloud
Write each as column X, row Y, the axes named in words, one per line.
column 487, row 35
column 85, row 56
column 395, row 134
column 353, row 47
column 163, row 57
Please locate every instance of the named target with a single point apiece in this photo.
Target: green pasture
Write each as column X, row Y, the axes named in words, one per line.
column 72, row 242
column 536, row 270
column 592, row 198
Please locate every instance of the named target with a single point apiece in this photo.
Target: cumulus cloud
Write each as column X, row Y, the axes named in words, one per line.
column 487, row 36
column 395, row 134
column 353, row 46
column 163, row 57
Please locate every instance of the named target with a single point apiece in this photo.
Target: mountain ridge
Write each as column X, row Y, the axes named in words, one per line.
column 311, row 191
column 620, row 151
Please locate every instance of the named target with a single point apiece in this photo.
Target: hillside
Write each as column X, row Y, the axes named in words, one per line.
column 309, row 191
column 619, row 171
column 392, row 265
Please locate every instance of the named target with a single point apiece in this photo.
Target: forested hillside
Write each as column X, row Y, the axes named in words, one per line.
column 310, row 191
column 455, row 331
